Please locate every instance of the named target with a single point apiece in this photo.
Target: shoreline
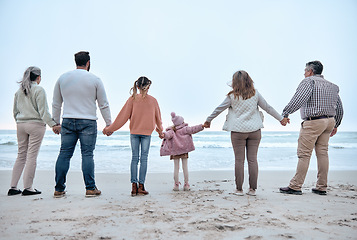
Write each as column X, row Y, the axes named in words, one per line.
column 208, row 211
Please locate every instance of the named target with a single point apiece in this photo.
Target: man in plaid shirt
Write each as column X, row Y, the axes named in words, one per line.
column 321, row 109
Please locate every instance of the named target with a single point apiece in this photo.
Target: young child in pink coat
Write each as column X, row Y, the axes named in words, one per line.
column 178, row 143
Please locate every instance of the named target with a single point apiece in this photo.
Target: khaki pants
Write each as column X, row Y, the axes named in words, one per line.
column 29, row 139
column 240, row 142
column 313, row 134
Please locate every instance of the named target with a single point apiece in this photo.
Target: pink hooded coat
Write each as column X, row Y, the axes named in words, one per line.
column 179, row 142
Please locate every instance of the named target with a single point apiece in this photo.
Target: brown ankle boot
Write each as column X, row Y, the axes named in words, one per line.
column 134, row 189
column 141, row 190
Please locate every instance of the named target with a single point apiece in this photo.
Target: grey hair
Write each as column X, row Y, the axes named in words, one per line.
column 30, row 75
column 315, row 66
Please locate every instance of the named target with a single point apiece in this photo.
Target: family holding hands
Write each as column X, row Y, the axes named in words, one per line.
column 78, row 91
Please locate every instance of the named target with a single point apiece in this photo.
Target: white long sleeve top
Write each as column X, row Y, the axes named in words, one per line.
column 243, row 115
column 79, row 90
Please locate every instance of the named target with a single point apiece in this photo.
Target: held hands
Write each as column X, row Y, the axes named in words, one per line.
column 106, row 132
column 207, row 125
column 56, row 129
column 161, row 134
column 285, row 121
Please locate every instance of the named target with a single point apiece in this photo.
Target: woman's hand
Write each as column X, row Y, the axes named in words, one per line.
column 56, row 129
column 285, row 121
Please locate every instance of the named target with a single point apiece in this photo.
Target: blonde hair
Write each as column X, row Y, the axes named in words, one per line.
column 143, row 84
column 243, row 85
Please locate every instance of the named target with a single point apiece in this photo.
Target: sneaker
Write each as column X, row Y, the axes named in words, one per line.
column 251, row 192
column 30, row 192
column 93, row 193
column 176, row 186
column 319, row 192
column 134, row 189
column 13, row 191
column 141, row 190
column 186, row 187
column 59, row 194
column 288, row 190
column 238, row 192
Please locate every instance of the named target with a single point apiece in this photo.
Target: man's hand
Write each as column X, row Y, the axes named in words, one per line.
column 334, row 131
column 207, row 125
column 106, row 132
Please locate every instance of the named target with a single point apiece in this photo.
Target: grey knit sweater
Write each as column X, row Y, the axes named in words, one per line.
column 33, row 107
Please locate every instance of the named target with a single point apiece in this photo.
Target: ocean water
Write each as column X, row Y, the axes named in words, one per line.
column 213, row 152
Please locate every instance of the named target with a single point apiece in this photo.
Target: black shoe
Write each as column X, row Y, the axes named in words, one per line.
column 28, row 193
column 288, row 190
column 13, row 192
column 319, row 192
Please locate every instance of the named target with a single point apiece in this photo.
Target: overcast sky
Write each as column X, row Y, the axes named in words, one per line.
column 189, row 49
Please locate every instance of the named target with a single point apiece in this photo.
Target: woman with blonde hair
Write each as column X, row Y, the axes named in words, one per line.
column 244, row 121
column 31, row 115
column 144, row 114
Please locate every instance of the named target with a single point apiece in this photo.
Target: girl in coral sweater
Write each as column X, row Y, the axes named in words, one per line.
column 144, row 114
column 177, row 143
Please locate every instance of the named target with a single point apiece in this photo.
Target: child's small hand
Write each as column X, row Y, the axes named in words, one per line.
column 161, row 135
column 207, row 125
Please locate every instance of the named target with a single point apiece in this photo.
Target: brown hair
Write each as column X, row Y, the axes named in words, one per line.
column 243, row 85
column 143, row 83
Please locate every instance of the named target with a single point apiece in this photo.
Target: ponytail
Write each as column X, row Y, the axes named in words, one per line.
column 133, row 89
column 30, row 75
column 143, row 84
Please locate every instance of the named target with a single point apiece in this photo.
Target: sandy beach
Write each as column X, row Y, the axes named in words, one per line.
column 208, row 211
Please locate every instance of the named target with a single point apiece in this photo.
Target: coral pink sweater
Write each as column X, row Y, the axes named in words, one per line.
column 144, row 114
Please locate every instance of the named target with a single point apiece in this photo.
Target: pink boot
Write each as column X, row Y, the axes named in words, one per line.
column 186, row 187
column 176, row 186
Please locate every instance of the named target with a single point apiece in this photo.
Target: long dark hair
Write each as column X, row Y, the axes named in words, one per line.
column 143, row 84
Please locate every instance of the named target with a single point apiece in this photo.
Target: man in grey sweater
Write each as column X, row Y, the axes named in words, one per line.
column 79, row 91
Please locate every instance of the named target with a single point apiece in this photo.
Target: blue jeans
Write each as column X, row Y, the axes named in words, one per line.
column 73, row 129
column 137, row 142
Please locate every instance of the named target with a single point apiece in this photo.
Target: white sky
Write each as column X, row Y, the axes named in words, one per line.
column 189, row 49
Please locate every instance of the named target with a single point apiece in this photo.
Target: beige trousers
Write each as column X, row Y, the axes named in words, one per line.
column 29, row 139
column 184, row 169
column 250, row 142
column 313, row 134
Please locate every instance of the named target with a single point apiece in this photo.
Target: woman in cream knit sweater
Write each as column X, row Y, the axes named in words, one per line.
column 244, row 121
column 31, row 115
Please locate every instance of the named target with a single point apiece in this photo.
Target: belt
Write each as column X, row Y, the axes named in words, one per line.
column 317, row 117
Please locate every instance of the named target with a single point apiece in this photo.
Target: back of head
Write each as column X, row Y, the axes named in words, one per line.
column 315, row 66
column 177, row 120
column 143, row 84
column 243, row 85
column 81, row 58
column 30, row 75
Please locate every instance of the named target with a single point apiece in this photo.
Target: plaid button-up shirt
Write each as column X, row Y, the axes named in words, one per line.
column 315, row 97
